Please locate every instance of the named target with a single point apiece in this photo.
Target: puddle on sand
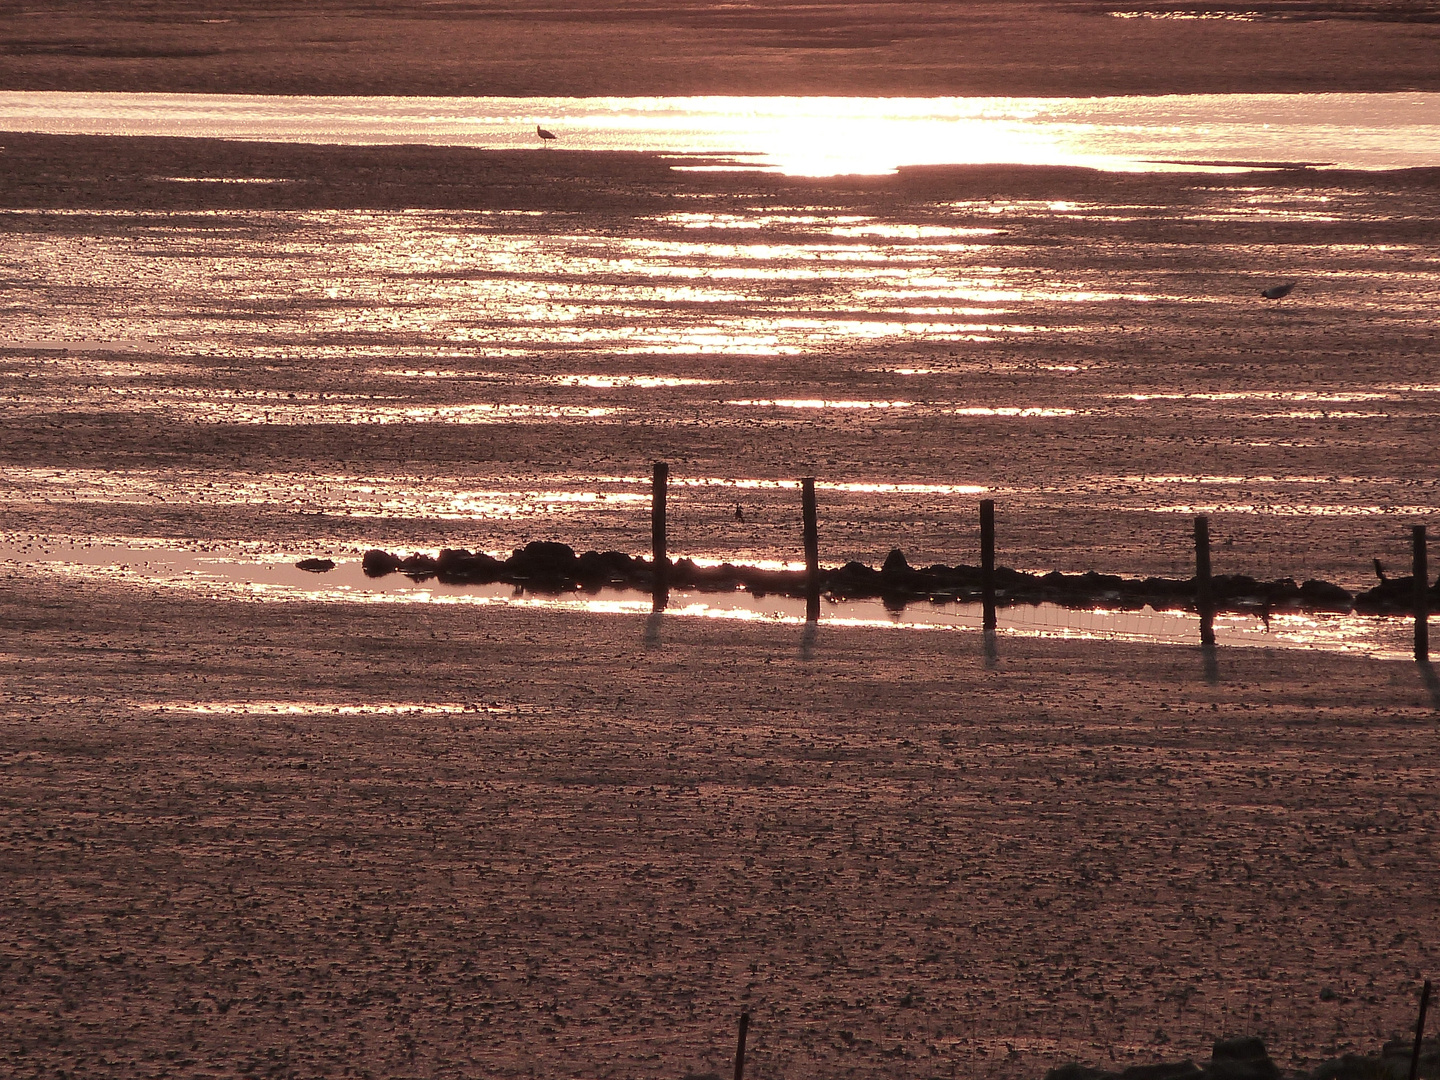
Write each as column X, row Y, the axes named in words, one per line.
column 277, row 579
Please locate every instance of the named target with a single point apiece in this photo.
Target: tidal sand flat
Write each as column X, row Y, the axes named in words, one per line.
column 316, row 351
column 250, row 827
column 245, row 838
column 423, row 838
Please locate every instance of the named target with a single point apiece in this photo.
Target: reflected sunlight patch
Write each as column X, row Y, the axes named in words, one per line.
column 318, row 708
column 820, row 403
column 803, row 136
column 1010, row 410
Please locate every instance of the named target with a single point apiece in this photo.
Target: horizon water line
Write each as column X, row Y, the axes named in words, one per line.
column 801, row 136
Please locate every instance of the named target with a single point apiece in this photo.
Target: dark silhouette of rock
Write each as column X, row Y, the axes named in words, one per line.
column 461, row 566
column 1168, row 1070
column 316, row 566
column 1241, row 1058
column 1392, row 595
column 1245, row 1058
column 1074, row 1071
column 854, row 579
column 1395, row 1056
column 1359, row 1067
column 419, row 565
column 545, row 561
column 378, row 563
column 1321, row 595
column 552, row 566
column 608, row 567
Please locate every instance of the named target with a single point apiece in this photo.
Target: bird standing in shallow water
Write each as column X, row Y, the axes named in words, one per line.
column 1278, row 292
column 545, row 136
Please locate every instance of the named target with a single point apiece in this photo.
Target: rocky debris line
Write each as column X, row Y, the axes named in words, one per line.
column 1392, row 1063
column 550, row 567
column 1245, row 1058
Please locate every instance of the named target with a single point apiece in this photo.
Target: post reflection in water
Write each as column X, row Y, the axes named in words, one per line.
column 278, row 580
column 1210, row 660
column 1431, row 681
column 809, row 637
column 653, row 623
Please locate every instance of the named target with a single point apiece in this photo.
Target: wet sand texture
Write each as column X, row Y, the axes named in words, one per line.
column 1303, row 427
column 902, row 861
column 615, row 48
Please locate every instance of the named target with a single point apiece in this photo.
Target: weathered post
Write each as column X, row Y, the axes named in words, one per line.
column 740, row 1047
column 987, row 560
column 812, row 549
column 659, row 481
column 1422, row 593
column 1419, row 1030
column 1204, row 601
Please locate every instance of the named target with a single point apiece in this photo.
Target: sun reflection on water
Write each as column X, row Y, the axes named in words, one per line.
column 801, row 136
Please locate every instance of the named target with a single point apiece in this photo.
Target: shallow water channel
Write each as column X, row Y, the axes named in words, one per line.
column 277, row 579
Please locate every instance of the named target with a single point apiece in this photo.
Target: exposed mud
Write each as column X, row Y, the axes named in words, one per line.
column 425, row 840
column 422, row 840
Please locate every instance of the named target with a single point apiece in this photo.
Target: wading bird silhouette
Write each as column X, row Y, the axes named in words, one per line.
column 546, row 137
column 1278, row 292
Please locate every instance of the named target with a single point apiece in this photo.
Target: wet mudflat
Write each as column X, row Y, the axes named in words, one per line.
column 307, row 838
column 311, row 367
column 262, row 839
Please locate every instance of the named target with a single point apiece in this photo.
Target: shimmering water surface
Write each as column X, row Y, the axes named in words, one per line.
column 261, row 383
column 280, row 581
column 804, row 136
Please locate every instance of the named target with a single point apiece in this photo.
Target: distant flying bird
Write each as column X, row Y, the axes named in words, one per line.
column 1277, row 292
column 545, row 136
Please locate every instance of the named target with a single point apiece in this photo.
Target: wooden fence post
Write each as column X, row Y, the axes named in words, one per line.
column 1204, row 601
column 987, row 560
column 1422, row 593
column 1419, row 1030
column 740, row 1047
column 812, row 549
column 660, row 480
